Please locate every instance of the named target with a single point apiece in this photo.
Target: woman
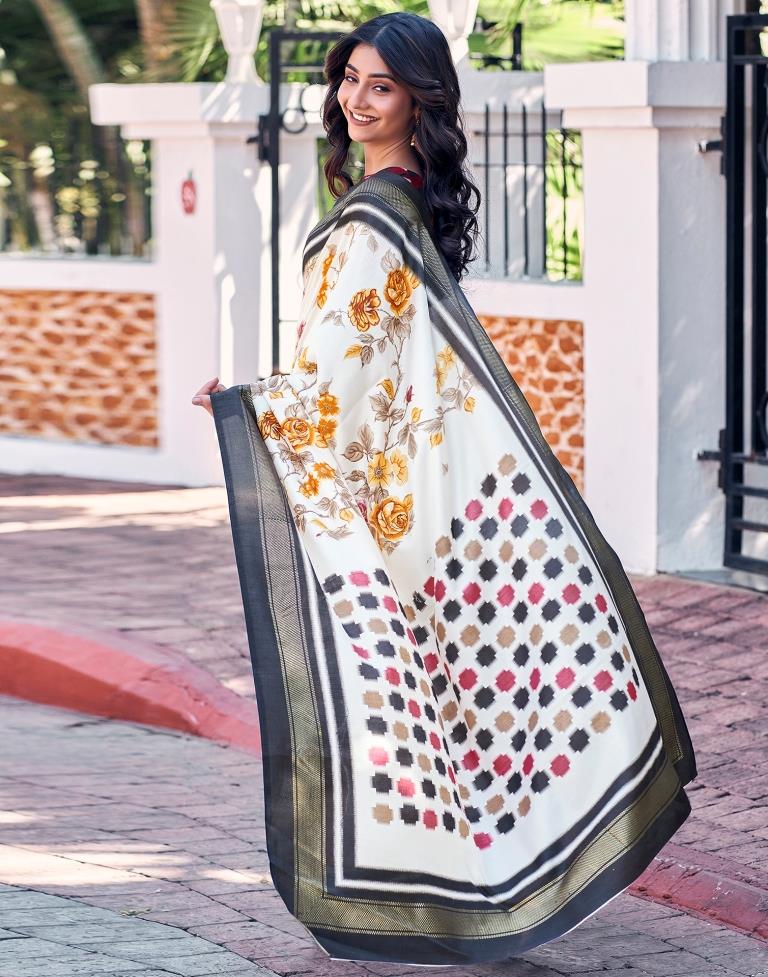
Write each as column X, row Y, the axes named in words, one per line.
column 470, row 743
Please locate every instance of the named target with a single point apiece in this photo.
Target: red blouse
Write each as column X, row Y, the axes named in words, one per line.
column 411, row 175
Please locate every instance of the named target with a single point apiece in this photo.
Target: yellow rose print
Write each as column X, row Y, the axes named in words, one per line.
column 328, row 404
column 309, row 486
column 400, row 284
column 379, row 470
column 362, row 309
column 298, row 432
column 328, row 259
column 326, row 428
column 322, row 294
column 390, row 518
column 269, row 426
column 324, row 470
column 399, row 466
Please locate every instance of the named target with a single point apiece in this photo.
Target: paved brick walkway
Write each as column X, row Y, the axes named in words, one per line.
column 153, row 844
column 159, row 565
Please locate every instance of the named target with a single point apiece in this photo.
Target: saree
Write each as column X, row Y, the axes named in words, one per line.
column 469, row 740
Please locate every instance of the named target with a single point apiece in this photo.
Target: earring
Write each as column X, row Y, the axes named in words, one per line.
column 413, row 134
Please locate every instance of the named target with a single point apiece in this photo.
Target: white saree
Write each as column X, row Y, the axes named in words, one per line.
column 470, row 742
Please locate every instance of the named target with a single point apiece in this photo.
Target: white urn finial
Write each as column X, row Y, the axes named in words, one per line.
column 455, row 18
column 240, row 25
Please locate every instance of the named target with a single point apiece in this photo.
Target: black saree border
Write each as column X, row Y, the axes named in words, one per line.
column 250, row 477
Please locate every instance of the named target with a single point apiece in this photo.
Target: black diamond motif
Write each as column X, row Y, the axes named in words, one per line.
column 581, row 696
column 518, row 568
column 419, row 600
column 333, row 583
column 483, row 780
column 368, row 600
column 421, row 634
column 488, row 569
column 457, row 527
column 505, row 823
column 472, row 814
column 585, row 574
column 521, row 697
column 385, row 648
column 489, row 485
column 521, row 483
column 377, row 724
column 617, row 660
column 519, row 525
column 554, row 528
column 488, row 528
column 428, row 787
column 486, row 655
column 613, row 624
column 552, row 567
column 520, row 613
column 451, row 652
column 484, row 738
column 381, row 576
column 396, row 701
column 546, row 695
column 419, row 734
column 548, row 652
column 409, row 814
column 542, row 739
column 584, row 654
column 586, row 612
column 486, row 612
column 514, row 783
column 578, row 740
column 518, row 740
column 521, row 655
column 459, row 733
column 368, row 671
column 449, row 821
column 382, row 783
column 451, row 610
column 404, row 756
column 439, row 684
column 453, row 568
column 550, row 610
column 484, row 697
column 410, row 680
column 619, row 700
column 539, row 781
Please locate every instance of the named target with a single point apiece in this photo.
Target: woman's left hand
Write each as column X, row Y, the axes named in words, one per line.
column 203, row 396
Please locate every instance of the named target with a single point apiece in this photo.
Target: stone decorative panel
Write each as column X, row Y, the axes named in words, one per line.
column 546, row 359
column 79, row 366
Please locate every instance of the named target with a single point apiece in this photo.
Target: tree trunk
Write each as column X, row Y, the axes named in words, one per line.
column 155, row 17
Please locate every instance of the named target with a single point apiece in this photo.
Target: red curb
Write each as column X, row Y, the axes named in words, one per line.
column 707, row 886
column 108, row 675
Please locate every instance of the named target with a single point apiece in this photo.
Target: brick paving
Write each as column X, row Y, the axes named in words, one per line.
column 159, row 565
column 152, row 845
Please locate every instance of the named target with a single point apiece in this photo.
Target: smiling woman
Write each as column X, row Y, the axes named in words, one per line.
column 470, row 740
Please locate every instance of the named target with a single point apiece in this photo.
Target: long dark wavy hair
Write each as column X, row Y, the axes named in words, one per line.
column 417, row 53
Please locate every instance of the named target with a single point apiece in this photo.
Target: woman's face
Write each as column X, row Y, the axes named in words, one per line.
column 369, row 89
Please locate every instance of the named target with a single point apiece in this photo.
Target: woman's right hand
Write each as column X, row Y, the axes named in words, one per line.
column 203, row 396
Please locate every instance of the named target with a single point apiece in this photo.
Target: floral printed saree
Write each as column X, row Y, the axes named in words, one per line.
column 470, row 742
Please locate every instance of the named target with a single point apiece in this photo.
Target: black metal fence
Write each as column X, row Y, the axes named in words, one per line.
column 743, row 441
column 530, row 172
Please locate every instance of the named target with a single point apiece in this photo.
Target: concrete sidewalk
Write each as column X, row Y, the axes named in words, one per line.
column 157, row 567
column 149, row 847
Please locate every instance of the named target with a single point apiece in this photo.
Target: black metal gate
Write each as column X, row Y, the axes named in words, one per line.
column 743, row 442
column 300, row 54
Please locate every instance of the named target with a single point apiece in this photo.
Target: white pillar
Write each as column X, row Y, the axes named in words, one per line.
column 212, row 265
column 677, row 30
column 654, row 282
